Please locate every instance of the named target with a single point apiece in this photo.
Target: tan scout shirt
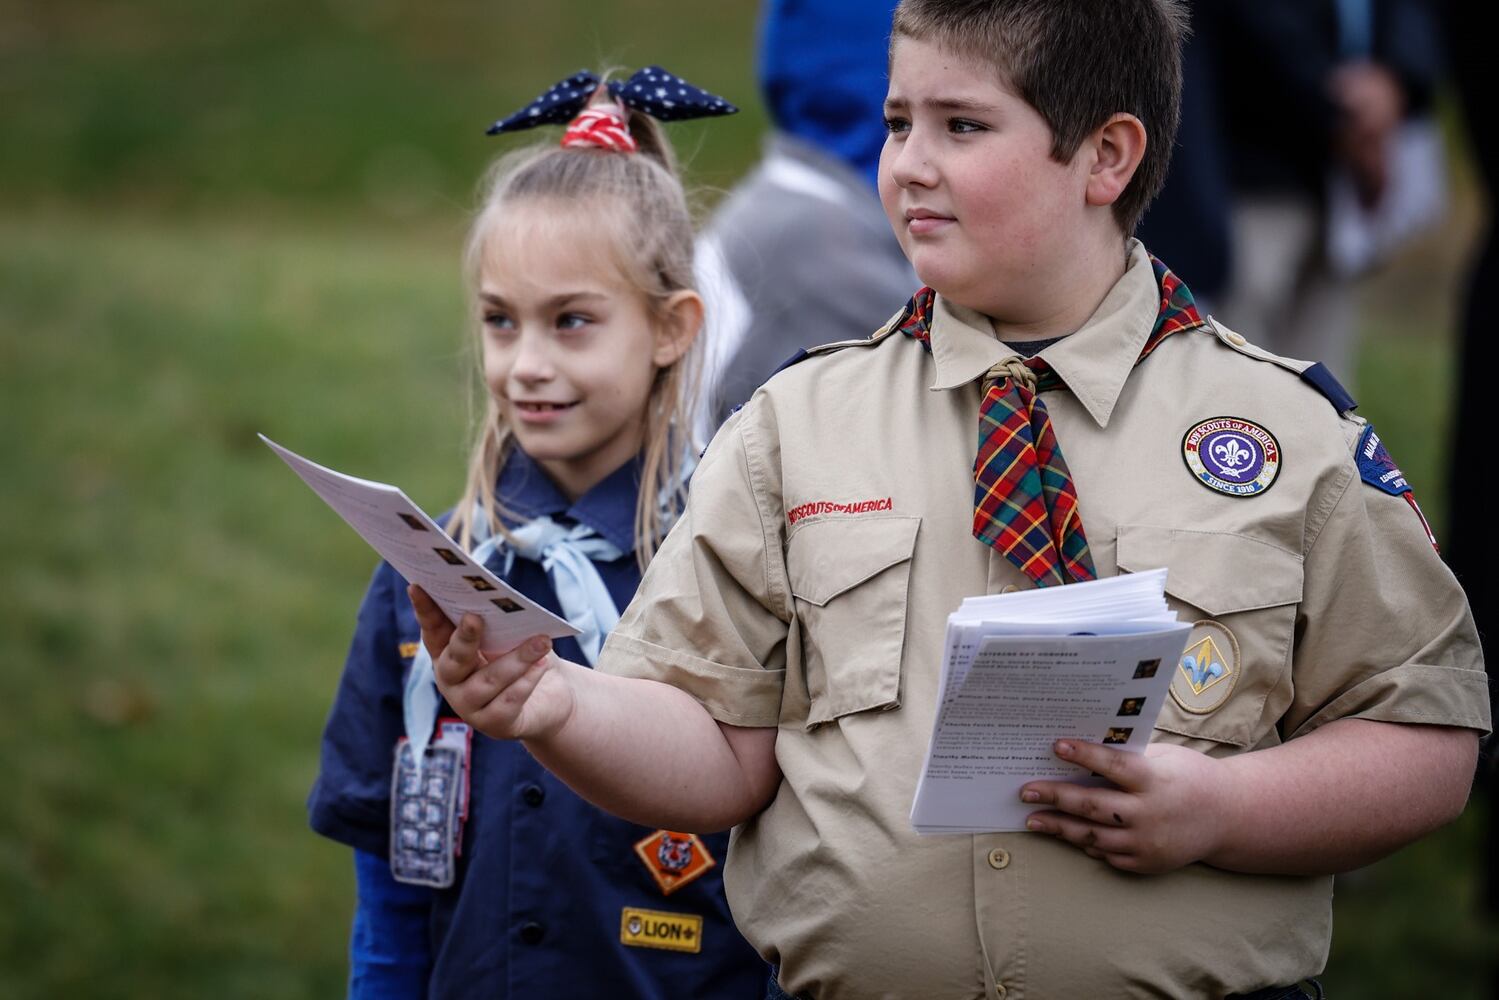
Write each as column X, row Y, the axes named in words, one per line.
column 827, row 538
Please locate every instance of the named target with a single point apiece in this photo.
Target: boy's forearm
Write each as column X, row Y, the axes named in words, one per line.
column 637, row 748
column 650, row 753
column 1342, row 796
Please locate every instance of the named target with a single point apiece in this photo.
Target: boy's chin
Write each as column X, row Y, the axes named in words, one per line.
column 948, row 278
column 968, row 294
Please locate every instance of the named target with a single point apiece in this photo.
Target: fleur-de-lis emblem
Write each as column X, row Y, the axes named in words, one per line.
column 1201, row 668
column 1204, row 665
column 1231, row 453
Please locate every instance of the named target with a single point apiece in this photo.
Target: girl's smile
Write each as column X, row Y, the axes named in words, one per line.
column 536, row 412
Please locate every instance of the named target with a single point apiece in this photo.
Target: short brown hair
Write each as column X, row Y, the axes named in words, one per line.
column 1076, row 62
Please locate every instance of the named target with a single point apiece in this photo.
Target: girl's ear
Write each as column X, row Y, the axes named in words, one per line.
column 682, row 318
column 1118, row 147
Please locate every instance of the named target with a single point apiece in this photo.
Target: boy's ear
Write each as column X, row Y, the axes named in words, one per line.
column 682, row 318
column 1118, row 146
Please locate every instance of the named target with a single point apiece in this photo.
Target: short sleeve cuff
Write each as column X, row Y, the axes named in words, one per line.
column 735, row 696
column 1416, row 694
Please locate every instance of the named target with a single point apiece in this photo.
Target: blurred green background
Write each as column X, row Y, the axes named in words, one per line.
column 217, row 219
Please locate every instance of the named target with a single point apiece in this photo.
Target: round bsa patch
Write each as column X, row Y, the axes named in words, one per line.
column 1232, row 456
column 1209, row 669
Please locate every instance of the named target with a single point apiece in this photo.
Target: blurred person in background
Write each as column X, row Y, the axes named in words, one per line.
column 802, row 244
column 1303, row 161
column 1188, row 221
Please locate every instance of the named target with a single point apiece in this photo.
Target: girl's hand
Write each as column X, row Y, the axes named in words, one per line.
column 516, row 695
column 1164, row 813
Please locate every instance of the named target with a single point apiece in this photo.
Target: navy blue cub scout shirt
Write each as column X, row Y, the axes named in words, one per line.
column 545, row 879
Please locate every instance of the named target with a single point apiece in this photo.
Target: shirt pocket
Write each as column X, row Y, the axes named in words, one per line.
column 1251, row 591
column 849, row 578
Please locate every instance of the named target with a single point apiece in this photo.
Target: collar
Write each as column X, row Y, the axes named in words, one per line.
column 527, row 492
column 1095, row 361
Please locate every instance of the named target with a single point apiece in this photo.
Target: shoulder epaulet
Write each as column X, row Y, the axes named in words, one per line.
column 803, row 353
column 1314, row 373
column 1321, row 379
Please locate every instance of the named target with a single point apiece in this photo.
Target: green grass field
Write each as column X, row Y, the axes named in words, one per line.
column 222, row 220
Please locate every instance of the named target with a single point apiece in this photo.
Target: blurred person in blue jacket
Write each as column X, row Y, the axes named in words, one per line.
column 1188, row 221
column 802, row 242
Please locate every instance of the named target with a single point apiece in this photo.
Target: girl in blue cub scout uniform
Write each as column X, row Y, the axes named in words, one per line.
column 581, row 262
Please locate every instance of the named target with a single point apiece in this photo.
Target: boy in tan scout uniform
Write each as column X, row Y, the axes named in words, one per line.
column 778, row 670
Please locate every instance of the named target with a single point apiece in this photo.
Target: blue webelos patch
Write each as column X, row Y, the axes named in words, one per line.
column 1379, row 470
column 1232, row 456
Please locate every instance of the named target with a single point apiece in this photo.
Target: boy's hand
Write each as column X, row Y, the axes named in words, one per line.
column 1164, row 813
column 516, row 695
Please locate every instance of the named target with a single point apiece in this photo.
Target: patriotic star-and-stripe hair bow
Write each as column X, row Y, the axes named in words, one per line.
column 652, row 90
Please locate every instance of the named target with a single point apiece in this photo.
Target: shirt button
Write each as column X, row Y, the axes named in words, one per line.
column 1009, row 588
column 1000, row 991
column 1235, row 339
column 999, row 859
column 534, row 795
column 531, row 932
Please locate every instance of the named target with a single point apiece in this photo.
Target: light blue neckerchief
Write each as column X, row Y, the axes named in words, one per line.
column 567, row 555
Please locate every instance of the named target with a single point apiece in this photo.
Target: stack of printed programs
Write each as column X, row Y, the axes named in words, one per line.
column 1089, row 662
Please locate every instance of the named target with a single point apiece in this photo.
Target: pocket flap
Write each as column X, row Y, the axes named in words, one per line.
column 1217, row 571
column 825, row 558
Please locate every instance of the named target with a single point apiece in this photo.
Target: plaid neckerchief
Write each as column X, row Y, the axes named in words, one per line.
column 1025, row 503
